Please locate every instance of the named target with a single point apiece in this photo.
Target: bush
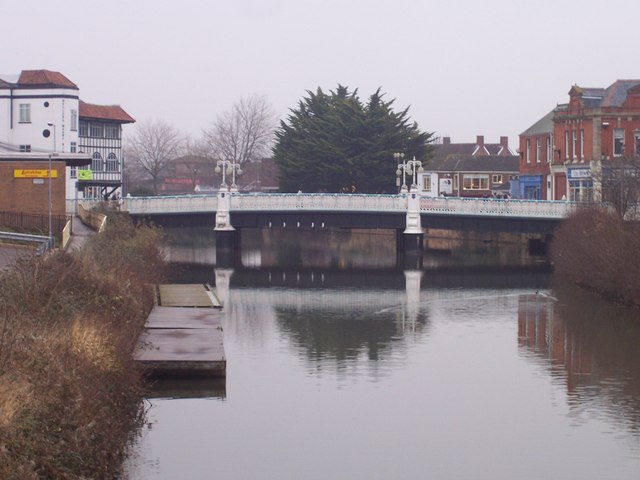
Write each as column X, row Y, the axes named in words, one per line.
column 597, row 250
column 70, row 392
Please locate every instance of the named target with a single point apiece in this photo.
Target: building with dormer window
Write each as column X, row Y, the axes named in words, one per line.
column 596, row 126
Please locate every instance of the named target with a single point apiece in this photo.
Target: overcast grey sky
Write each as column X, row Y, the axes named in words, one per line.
column 465, row 67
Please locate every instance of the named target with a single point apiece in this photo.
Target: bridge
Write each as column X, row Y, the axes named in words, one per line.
column 407, row 213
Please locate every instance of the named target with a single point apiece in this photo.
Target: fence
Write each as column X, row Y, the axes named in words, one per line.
column 34, row 223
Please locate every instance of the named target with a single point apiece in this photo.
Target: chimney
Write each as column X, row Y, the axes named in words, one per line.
column 504, row 143
column 480, row 141
column 446, row 140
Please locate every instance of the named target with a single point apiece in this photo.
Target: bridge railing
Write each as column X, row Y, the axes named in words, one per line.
column 496, row 207
column 319, row 201
column 348, row 202
column 169, row 204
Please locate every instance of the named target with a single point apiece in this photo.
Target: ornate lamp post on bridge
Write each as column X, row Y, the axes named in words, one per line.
column 402, row 170
column 228, row 167
column 411, row 167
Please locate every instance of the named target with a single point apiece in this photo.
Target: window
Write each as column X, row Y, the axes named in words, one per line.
column 526, row 151
column 574, row 140
column 96, row 130
column 96, row 162
column 566, row 144
column 73, row 147
column 84, row 129
column 497, row 178
column 581, row 144
column 426, row 183
column 25, row 148
column 549, row 149
column 74, row 120
column 537, row 150
column 73, row 172
column 475, row 182
column 25, row 113
column 112, row 130
column 618, row 142
column 112, row 163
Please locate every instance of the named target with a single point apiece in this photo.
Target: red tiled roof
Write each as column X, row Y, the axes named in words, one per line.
column 45, row 78
column 105, row 112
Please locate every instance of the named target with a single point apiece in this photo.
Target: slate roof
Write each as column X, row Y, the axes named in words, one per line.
column 440, row 151
column 472, row 163
column 114, row 113
column 542, row 126
column 44, row 78
column 616, row 94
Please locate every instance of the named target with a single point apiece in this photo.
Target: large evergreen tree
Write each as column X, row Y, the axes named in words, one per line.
column 336, row 143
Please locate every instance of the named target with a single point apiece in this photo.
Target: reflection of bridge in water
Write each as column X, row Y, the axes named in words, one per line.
column 378, row 291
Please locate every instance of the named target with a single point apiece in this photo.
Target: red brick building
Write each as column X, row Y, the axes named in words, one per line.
column 560, row 153
column 24, row 181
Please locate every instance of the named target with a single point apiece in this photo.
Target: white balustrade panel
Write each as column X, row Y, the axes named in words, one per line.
column 318, row 202
column 496, row 208
column 349, row 202
column 176, row 204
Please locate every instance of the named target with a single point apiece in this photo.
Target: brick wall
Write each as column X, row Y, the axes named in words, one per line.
column 31, row 195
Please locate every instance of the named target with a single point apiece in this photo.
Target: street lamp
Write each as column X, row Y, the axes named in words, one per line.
column 51, row 154
column 401, row 170
column 414, row 166
column 228, row 167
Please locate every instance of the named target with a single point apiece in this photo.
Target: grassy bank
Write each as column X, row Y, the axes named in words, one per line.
column 596, row 250
column 70, row 393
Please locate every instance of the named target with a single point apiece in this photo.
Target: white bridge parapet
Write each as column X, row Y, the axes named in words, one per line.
column 173, row 204
column 319, row 202
column 488, row 207
column 349, row 202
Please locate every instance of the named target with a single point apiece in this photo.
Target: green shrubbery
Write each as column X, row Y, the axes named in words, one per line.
column 597, row 250
column 70, row 392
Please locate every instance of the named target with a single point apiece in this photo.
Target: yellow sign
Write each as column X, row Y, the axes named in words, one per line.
column 85, row 175
column 32, row 173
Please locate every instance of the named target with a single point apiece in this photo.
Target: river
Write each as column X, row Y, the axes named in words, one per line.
column 341, row 366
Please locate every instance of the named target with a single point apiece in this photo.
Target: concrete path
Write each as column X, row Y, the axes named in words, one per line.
column 80, row 234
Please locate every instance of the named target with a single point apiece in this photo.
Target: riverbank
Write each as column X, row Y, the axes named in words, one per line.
column 596, row 250
column 70, row 392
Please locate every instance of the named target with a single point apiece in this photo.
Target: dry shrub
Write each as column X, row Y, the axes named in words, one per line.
column 595, row 249
column 71, row 391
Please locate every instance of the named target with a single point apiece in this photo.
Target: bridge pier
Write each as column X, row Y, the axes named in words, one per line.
column 409, row 249
column 227, row 248
column 227, row 237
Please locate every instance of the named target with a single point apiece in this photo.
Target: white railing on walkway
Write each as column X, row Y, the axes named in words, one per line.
column 173, row 204
column 319, row 202
column 348, row 202
column 496, row 207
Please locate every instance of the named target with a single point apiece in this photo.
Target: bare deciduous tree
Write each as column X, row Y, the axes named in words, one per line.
column 153, row 146
column 198, row 161
column 619, row 180
column 244, row 133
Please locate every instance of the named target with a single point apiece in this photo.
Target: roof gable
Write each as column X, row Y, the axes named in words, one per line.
column 114, row 113
column 44, row 78
column 471, row 163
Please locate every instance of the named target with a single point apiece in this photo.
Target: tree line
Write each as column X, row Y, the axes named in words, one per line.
column 330, row 142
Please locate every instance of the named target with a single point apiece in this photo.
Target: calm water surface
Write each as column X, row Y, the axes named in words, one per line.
column 380, row 373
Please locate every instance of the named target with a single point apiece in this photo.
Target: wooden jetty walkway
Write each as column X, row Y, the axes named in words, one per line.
column 183, row 334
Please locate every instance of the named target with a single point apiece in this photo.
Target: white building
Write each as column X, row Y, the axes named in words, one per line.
column 41, row 112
